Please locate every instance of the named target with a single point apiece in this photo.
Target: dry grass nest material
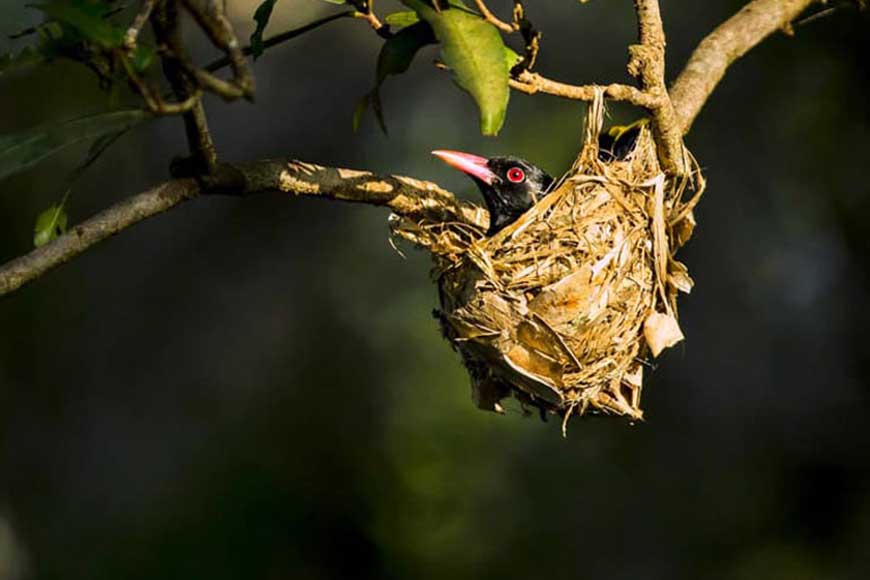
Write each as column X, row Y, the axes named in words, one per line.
column 562, row 308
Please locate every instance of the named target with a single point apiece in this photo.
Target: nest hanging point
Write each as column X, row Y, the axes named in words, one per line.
column 562, row 307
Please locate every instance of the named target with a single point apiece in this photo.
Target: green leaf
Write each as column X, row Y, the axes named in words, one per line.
column 475, row 52
column 512, row 57
column 57, row 40
column 399, row 50
column 142, row 58
column 20, row 151
column 359, row 110
column 378, row 109
column 261, row 16
column 395, row 58
column 87, row 18
column 49, row 225
column 372, row 99
column 402, row 19
column 53, row 221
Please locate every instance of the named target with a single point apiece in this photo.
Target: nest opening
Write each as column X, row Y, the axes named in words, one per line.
column 562, row 308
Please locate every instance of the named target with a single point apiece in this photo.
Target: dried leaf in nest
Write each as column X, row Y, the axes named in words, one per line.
column 561, row 307
column 661, row 331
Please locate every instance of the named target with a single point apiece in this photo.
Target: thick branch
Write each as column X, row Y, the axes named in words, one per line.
column 647, row 64
column 731, row 40
column 406, row 196
column 674, row 113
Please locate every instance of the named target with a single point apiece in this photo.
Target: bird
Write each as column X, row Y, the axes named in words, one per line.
column 618, row 141
column 511, row 185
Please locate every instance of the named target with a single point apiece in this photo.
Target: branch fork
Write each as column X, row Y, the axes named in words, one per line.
column 673, row 114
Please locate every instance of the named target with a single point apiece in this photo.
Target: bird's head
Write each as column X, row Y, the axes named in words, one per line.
column 509, row 185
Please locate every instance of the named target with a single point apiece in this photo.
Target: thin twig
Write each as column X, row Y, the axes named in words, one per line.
column 281, row 38
column 228, row 90
column 164, row 21
column 532, row 83
column 219, row 30
column 817, row 16
column 531, row 36
column 368, row 14
column 493, row 19
column 153, row 100
column 139, row 21
column 23, row 32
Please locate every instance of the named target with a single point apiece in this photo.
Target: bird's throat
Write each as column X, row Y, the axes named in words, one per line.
column 500, row 211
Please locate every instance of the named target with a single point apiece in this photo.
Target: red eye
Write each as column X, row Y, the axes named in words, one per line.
column 516, row 175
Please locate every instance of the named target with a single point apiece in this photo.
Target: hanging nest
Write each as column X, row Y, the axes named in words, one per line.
column 562, row 307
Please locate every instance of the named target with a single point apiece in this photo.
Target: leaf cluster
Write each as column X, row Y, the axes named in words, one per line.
column 93, row 32
column 470, row 47
column 82, row 31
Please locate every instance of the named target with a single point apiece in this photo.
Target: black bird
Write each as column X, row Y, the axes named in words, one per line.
column 511, row 185
column 619, row 140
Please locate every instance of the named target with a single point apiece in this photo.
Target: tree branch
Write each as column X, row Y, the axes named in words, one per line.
column 132, row 34
column 281, row 38
column 731, row 40
column 647, row 64
column 213, row 21
column 19, row 271
column 533, row 83
column 167, row 29
column 368, row 14
column 493, row 19
column 706, row 67
column 408, row 197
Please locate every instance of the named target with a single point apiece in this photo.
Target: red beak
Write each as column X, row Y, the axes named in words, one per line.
column 473, row 165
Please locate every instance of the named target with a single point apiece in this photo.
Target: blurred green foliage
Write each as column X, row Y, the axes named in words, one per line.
column 49, row 224
column 474, row 52
column 256, row 389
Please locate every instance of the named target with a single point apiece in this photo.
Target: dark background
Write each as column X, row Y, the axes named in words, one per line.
column 256, row 389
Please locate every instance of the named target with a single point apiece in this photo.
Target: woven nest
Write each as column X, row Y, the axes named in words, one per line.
column 562, row 308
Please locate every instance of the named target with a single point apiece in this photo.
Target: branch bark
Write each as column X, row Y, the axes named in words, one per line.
column 167, row 28
column 705, row 68
column 721, row 48
column 647, row 64
column 533, row 83
column 19, row 271
column 492, row 18
column 403, row 195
